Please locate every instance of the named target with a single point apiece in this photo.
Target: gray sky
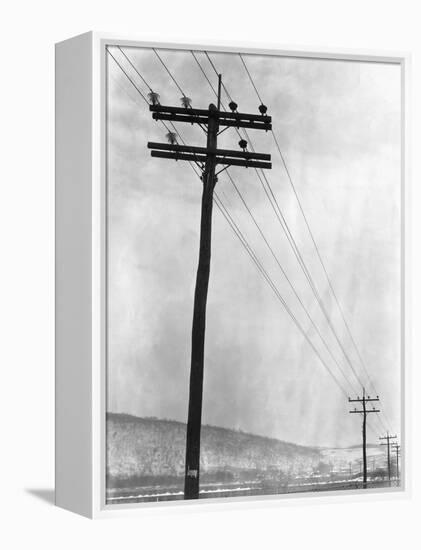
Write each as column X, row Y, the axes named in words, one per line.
column 338, row 124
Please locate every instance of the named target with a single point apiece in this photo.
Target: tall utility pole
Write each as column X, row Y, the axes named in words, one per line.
column 397, row 449
column 364, row 411
column 207, row 159
column 388, row 438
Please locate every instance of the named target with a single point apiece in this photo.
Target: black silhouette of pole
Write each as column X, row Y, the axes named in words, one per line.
column 364, row 400
column 364, row 439
column 194, row 418
column 388, row 438
column 397, row 449
column 206, row 158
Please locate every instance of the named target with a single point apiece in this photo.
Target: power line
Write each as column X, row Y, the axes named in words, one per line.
column 289, row 281
column 123, row 89
column 128, row 77
column 292, row 241
column 251, row 79
column 147, row 102
column 150, row 88
column 212, row 87
column 205, row 75
column 309, row 278
column 169, row 72
column 264, row 238
column 288, row 233
column 268, row 279
column 314, row 242
column 135, row 69
column 297, row 253
column 214, row 68
column 323, row 266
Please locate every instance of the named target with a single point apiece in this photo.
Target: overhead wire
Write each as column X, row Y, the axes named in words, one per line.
column 268, row 279
column 298, row 253
column 362, row 362
column 214, row 68
column 169, row 72
column 264, row 238
column 147, row 102
column 289, row 281
column 295, row 249
column 150, row 88
column 134, row 68
column 251, row 80
column 293, row 243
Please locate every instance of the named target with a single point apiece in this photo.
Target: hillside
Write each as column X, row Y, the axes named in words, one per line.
column 145, row 456
column 142, row 451
column 345, row 458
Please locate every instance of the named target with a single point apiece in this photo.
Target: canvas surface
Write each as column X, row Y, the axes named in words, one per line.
column 303, row 304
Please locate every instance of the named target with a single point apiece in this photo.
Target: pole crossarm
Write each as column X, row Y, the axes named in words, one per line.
column 364, row 400
column 365, row 412
column 222, row 115
column 387, row 438
column 248, row 155
column 358, row 400
column 217, row 160
column 194, row 119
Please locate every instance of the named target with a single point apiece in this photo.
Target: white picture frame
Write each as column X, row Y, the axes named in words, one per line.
column 81, row 272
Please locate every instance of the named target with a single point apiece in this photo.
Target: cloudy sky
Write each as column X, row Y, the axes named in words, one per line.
column 338, row 125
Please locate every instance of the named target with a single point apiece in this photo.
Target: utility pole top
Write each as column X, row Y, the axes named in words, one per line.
column 388, row 439
column 364, row 411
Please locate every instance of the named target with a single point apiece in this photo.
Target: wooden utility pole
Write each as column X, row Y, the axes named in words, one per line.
column 397, row 450
column 207, row 159
column 388, row 438
column 364, row 400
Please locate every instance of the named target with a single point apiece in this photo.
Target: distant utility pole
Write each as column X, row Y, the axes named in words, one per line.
column 388, row 438
column 397, row 449
column 207, row 159
column 364, row 411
